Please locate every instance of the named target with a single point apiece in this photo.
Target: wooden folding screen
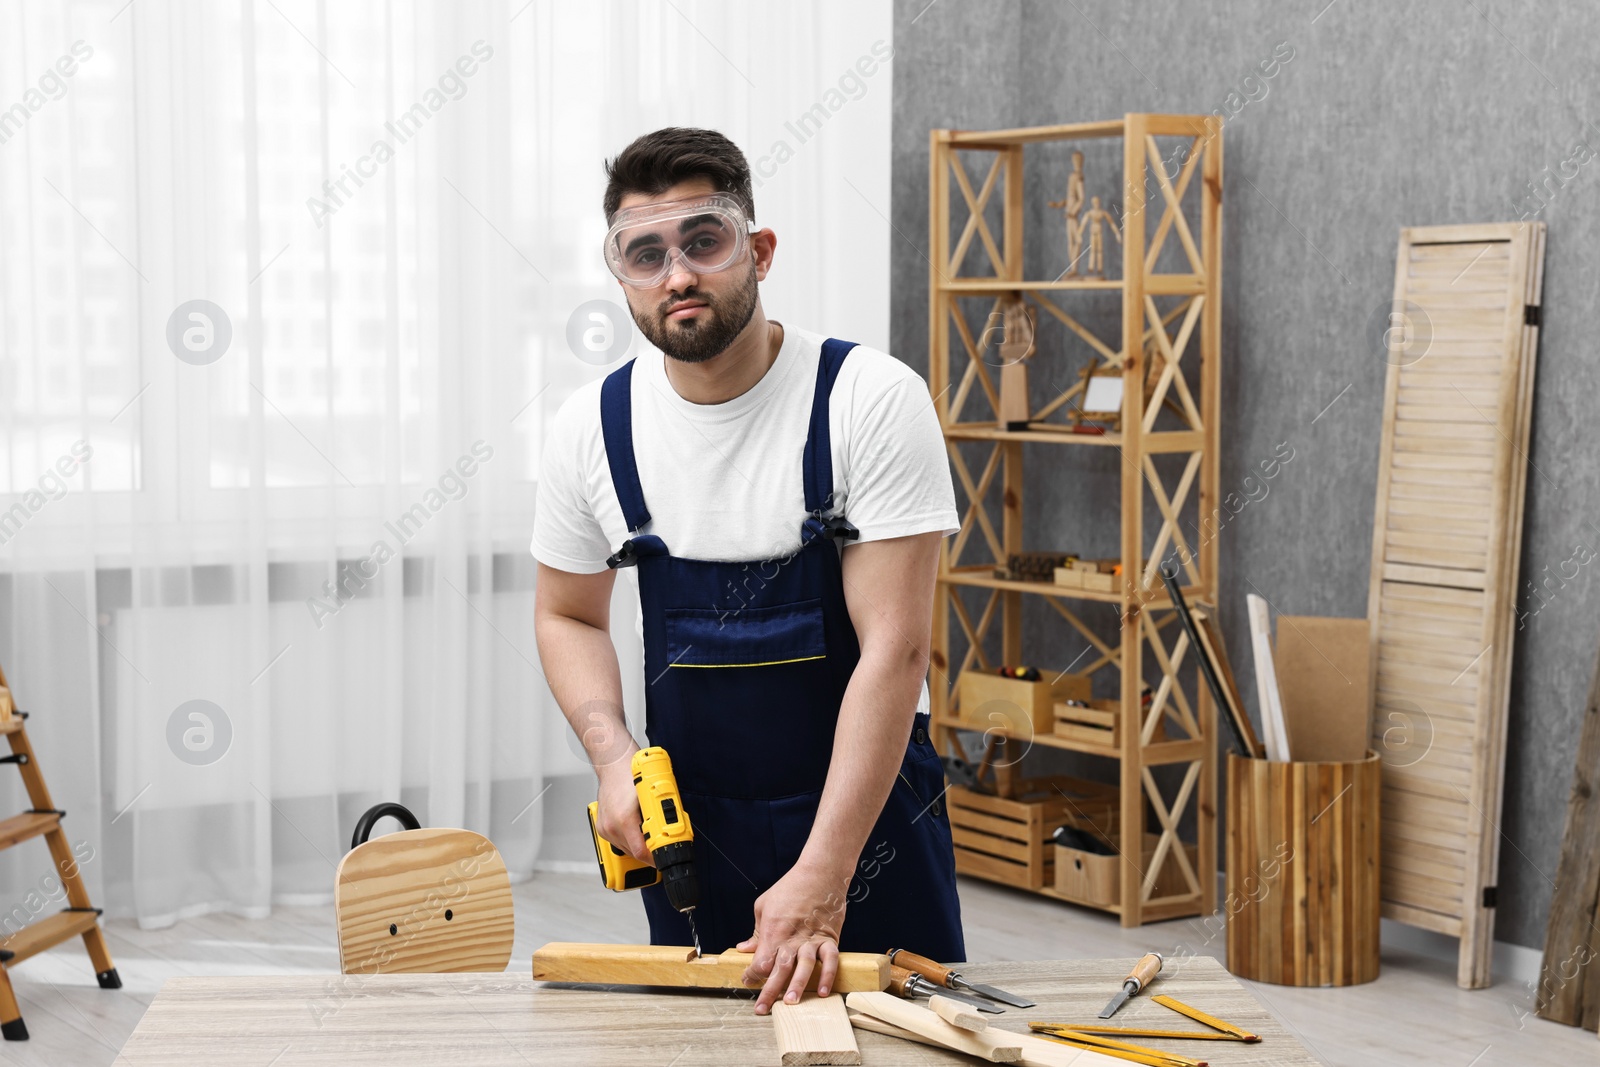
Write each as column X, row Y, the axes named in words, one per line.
column 1446, row 543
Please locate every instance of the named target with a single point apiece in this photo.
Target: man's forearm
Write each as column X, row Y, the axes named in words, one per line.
column 580, row 663
column 869, row 742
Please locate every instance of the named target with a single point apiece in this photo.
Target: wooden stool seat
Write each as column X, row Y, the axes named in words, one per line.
column 423, row 900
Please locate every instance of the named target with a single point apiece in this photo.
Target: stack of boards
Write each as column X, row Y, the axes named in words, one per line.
column 1445, row 551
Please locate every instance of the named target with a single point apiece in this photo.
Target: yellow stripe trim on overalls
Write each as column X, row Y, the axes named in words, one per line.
column 765, row 663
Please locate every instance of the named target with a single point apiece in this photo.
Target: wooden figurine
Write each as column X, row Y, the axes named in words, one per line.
column 1016, row 345
column 1071, row 207
column 1097, row 215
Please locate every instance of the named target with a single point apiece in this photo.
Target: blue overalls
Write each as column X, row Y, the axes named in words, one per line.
column 746, row 664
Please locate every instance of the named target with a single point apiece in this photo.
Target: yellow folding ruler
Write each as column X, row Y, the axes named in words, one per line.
column 1098, row 1036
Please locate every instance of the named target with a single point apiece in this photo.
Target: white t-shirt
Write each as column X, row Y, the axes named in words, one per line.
column 724, row 481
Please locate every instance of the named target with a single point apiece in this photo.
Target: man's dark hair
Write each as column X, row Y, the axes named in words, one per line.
column 655, row 162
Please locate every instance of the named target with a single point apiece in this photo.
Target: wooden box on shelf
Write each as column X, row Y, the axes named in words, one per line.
column 1099, row 724
column 1034, row 566
column 1096, row 880
column 1092, row 725
column 1008, row 840
column 1094, row 575
column 990, row 700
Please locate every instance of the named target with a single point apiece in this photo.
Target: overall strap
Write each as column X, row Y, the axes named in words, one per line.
column 818, row 463
column 616, row 425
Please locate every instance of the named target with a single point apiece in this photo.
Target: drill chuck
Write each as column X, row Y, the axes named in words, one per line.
column 676, row 864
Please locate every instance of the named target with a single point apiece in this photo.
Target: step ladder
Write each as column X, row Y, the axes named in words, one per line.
column 79, row 917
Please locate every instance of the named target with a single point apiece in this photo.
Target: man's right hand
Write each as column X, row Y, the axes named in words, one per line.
column 619, row 811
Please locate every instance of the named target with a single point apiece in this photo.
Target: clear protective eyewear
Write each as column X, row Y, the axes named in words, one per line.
column 705, row 234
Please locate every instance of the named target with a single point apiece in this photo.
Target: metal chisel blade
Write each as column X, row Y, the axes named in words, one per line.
column 1116, row 1002
column 998, row 994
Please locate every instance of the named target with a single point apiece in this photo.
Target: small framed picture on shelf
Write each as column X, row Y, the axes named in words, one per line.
column 1100, row 403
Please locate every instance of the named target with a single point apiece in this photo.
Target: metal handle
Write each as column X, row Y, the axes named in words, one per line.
column 370, row 817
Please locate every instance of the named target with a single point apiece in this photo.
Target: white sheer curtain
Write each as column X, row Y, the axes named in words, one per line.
column 285, row 288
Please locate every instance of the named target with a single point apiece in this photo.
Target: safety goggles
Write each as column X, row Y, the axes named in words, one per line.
column 705, row 235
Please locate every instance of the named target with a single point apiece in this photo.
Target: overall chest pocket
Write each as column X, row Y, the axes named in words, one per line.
column 745, row 637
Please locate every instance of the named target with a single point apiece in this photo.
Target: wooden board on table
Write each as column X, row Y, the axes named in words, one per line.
column 815, row 1030
column 1569, row 982
column 677, row 965
column 1445, row 551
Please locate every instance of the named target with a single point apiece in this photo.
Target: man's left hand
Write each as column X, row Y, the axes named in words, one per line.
column 797, row 929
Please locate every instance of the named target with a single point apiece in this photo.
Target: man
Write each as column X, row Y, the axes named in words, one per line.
column 780, row 498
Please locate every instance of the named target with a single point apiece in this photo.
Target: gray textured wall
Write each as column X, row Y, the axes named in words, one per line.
column 1386, row 116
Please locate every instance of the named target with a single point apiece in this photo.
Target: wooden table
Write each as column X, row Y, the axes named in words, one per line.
column 506, row 1020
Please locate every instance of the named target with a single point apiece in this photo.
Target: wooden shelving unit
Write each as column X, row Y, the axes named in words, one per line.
column 1174, row 318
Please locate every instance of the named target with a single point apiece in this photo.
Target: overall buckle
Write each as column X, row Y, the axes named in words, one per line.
column 838, row 527
column 626, row 556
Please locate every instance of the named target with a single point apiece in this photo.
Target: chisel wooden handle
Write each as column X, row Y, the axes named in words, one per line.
column 902, row 982
column 1144, row 971
column 937, row 973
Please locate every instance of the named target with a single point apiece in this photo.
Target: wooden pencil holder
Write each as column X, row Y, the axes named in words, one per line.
column 1302, row 855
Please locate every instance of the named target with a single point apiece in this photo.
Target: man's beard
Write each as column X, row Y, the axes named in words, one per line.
column 707, row 334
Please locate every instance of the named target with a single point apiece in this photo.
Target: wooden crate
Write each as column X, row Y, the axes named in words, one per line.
column 1096, row 880
column 1008, row 840
column 1095, row 575
column 994, row 700
column 1094, row 725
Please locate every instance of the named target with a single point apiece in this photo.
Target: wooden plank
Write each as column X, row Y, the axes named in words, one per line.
column 1569, row 981
column 1269, row 698
column 992, row 1046
column 815, row 1030
column 957, row 1013
column 676, row 965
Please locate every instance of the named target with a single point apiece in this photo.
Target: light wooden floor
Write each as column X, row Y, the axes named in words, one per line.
column 1412, row 1014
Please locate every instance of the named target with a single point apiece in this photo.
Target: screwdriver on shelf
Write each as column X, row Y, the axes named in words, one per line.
column 1143, row 973
column 944, row 976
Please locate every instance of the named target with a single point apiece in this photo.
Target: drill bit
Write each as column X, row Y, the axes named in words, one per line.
column 693, row 931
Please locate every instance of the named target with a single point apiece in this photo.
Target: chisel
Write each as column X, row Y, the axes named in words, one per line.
column 944, row 976
column 904, row 983
column 1143, row 974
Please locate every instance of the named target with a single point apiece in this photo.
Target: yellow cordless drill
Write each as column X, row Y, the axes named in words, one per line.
column 667, row 833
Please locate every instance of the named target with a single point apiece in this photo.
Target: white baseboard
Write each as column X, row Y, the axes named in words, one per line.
column 1512, row 963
